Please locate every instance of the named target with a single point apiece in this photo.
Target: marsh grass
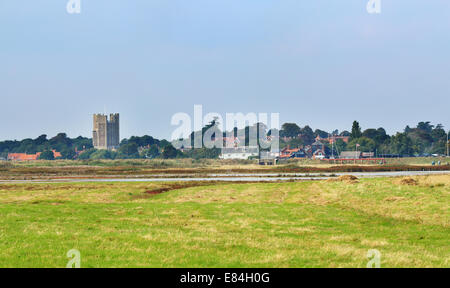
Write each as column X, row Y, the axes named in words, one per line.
column 295, row 224
column 212, row 163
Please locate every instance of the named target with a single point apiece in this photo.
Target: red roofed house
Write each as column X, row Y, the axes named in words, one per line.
column 29, row 157
column 292, row 153
column 22, row 157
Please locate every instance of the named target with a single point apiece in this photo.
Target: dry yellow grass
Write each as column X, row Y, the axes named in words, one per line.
column 293, row 224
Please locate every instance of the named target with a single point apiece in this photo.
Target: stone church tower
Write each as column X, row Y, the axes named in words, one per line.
column 106, row 132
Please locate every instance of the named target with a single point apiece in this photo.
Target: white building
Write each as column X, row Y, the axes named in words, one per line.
column 239, row 153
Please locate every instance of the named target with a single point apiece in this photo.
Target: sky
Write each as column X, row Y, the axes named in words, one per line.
column 322, row 63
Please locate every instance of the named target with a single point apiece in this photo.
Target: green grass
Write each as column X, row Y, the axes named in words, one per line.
column 297, row 224
column 201, row 163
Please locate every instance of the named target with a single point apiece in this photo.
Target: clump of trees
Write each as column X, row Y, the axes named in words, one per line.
column 423, row 140
column 60, row 143
column 145, row 147
column 47, row 155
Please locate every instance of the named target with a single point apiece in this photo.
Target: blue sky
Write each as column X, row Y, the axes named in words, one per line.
column 323, row 63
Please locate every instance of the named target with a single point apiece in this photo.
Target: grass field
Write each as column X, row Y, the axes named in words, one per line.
column 58, row 169
column 203, row 163
column 329, row 223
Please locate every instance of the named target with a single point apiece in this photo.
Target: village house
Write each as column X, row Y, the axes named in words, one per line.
column 239, row 153
column 319, row 154
column 350, row 155
column 292, row 153
column 30, row 157
column 22, row 157
column 318, row 145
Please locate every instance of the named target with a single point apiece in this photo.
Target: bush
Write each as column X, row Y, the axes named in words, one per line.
column 86, row 154
column 47, row 155
column 103, row 154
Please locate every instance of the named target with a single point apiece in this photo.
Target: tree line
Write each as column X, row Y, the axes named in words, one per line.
column 423, row 140
column 145, row 147
column 61, row 143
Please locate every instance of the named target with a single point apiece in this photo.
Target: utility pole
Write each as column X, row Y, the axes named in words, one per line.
column 332, row 146
column 448, row 144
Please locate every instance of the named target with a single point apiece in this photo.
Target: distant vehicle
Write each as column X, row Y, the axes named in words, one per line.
column 435, row 155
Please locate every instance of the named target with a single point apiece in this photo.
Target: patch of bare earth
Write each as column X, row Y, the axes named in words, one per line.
column 345, row 178
column 409, row 181
column 170, row 187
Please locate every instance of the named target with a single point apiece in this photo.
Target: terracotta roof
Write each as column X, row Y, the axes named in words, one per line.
column 22, row 156
column 286, row 150
column 286, row 153
column 29, row 157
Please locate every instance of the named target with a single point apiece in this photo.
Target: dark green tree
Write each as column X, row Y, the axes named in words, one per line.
column 87, row 154
column 425, row 126
column 321, row 133
column 47, row 155
column 68, row 153
column 356, row 130
column 128, row 151
column 340, row 146
column 366, row 144
column 345, row 133
column 151, row 153
column 164, row 143
column 103, row 154
column 290, row 130
column 169, row 152
column 307, row 135
column 402, row 145
column 40, row 140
